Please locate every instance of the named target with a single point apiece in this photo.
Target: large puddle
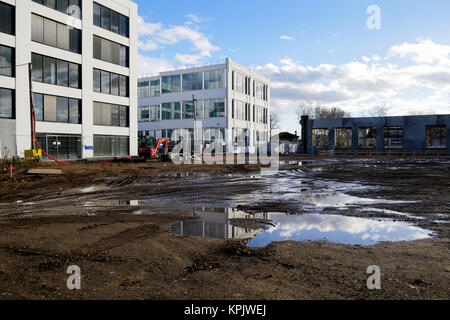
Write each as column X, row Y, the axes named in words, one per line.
column 264, row 228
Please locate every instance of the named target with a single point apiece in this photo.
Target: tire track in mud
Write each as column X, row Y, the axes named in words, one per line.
column 47, row 260
column 130, row 235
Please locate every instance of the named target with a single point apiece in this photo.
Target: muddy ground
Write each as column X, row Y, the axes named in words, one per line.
column 126, row 252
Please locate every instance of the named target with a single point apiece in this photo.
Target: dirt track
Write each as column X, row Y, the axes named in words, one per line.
column 126, row 252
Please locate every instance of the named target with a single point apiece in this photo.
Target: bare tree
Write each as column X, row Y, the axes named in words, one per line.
column 318, row 111
column 379, row 110
column 274, row 122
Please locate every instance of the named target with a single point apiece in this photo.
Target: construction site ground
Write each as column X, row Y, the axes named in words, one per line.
column 113, row 219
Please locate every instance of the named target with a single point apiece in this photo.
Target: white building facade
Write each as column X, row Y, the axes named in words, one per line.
column 85, row 60
column 231, row 103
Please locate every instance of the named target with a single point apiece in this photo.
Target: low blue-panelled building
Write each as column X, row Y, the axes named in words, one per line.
column 407, row 133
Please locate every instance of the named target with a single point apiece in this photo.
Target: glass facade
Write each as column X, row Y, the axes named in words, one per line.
column 214, row 79
column 150, row 114
column 7, row 18
column 7, row 105
column 62, row 147
column 192, row 81
column 143, row 89
column 111, row 20
column 111, row 146
column 171, row 111
column 111, row 83
column 214, row 108
column 155, row 88
column 57, row 109
column 112, row 115
column 110, row 51
column 188, row 110
column 55, row 34
column 171, row 84
column 70, row 7
column 7, row 61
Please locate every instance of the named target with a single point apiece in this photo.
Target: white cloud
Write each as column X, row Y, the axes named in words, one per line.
column 149, row 66
column 155, row 36
column 356, row 86
column 286, row 38
column 196, row 19
column 426, row 51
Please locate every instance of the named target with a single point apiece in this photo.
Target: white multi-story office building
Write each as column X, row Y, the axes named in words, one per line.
column 84, row 58
column 231, row 102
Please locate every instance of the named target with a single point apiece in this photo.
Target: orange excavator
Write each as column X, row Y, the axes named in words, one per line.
column 148, row 149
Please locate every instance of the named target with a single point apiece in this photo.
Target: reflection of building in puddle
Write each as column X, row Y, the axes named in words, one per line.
column 220, row 223
column 112, row 203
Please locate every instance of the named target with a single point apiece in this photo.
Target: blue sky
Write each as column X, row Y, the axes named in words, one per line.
column 314, row 51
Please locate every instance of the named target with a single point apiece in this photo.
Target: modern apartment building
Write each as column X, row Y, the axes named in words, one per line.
column 228, row 101
column 84, row 58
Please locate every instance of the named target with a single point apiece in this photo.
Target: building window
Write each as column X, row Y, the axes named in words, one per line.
column 110, row 51
column 7, row 18
column 171, row 111
column 154, row 88
column 367, row 138
column 239, row 110
column 7, row 107
column 171, row 84
column 54, row 71
column 55, row 34
column 70, row 7
column 60, row 146
column 188, row 110
column 7, row 61
column 343, row 138
column 239, row 83
column 111, row 146
column 74, row 75
column 143, row 89
column 192, row 81
column 259, row 114
column 214, row 79
column 110, row 83
column 393, row 137
column 49, row 70
column 436, row 137
column 259, row 90
column 215, row 108
column 38, row 101
column 150, row 114
column 112, row 115
column 111, row 20
column 57, row 109
column 320, row 138
column 63, row 73
column 211, row 135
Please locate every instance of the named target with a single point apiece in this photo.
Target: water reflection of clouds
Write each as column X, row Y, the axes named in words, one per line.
column 340, row 229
